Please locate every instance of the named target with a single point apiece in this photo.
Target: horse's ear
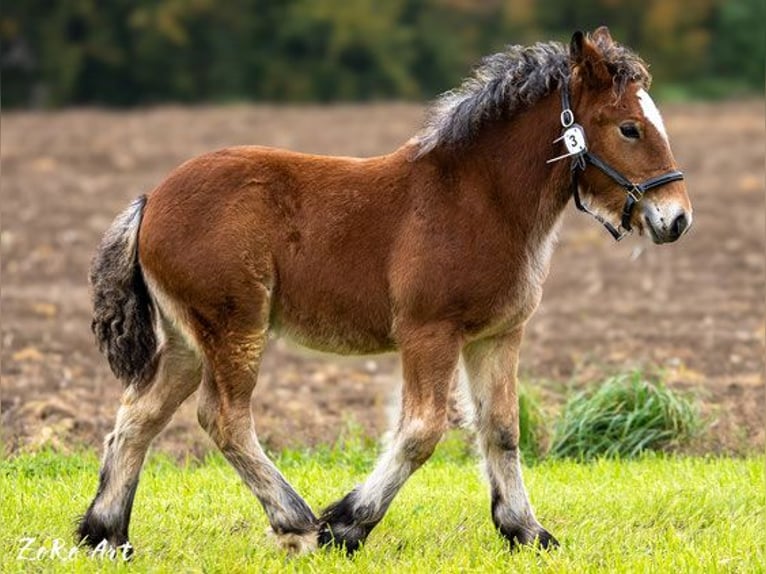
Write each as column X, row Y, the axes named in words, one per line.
column 575, row 46
column 587, row 60
column 602, row 36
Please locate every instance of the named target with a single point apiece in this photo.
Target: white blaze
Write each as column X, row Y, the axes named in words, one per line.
column 651, row 112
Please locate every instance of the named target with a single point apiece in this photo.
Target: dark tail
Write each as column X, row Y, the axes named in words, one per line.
column 122, row 307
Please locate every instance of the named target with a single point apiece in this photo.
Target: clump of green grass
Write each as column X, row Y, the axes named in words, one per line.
column 626, row 416
column 533, row 430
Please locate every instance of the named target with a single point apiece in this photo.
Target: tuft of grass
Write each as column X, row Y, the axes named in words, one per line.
column 626, row 416
column 533, row 430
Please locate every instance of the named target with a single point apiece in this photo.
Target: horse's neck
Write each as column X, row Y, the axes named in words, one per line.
column 513, row 154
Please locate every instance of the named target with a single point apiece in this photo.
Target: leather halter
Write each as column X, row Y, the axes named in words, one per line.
column 580, row 159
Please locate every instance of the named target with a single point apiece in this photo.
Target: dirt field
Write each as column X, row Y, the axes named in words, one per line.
column 695, row 309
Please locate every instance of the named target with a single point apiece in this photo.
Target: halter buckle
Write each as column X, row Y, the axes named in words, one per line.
column 635, row 193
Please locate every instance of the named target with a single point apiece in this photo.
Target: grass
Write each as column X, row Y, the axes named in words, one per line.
column 533, row 428
column 654, row 514
column 624, row 416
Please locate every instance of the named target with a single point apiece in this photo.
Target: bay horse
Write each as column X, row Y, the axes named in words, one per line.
column 438, row 250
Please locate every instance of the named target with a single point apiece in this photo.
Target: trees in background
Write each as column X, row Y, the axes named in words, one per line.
column 128, row 52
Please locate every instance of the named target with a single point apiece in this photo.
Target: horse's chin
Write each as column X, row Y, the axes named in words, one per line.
column 639, row 227
column 645, row 230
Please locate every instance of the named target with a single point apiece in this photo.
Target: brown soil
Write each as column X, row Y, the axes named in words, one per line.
column 695, row 309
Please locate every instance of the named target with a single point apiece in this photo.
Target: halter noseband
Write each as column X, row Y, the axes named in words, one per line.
column 573, row 136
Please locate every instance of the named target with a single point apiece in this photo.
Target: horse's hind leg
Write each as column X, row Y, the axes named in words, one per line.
column 141, row 416
column 491, row 366
column 224, row 412
column 429, row 359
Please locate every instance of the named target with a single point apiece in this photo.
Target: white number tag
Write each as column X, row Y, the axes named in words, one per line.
column 574, row 141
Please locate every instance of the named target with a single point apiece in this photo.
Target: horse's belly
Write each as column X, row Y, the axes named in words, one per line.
column 338, row 344
column 344, row 328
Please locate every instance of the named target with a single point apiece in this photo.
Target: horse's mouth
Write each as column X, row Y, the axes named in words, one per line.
column 667, row 234
column 653, row 233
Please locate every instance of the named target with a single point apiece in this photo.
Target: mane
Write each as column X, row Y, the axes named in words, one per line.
column 508, row 82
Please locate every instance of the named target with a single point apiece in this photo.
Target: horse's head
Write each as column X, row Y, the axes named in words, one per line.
column 626, row 136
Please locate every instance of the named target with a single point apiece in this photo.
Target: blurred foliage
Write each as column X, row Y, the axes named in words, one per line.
column 127, row 52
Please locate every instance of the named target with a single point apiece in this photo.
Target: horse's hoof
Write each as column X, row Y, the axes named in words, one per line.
column 545, row 540
column 295, row 543
column 94, row 533
column 539, row 537
column 339, row 527
column 340, row 536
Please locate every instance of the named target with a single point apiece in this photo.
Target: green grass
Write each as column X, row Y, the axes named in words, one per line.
column 624, row 416
column 533, row 428
column 654, row 514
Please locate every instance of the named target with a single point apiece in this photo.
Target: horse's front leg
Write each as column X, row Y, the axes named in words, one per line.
column 429, row 359
column 491, row 365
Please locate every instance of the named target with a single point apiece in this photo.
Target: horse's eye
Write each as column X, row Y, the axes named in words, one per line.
column 630, row 131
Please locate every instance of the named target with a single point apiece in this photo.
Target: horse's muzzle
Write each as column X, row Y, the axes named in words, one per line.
column 666, row 223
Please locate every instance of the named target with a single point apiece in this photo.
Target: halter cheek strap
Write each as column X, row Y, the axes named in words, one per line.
column 574, row 139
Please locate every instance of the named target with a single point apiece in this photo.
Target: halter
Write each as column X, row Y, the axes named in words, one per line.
column 573, row 136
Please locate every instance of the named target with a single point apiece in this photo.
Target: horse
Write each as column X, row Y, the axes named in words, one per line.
column 438, row 251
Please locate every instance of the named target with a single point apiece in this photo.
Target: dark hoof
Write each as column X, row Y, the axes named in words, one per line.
column 340, row 527
column 94, row 533
column 545, row 540
column 519, row 536
column 340, row 536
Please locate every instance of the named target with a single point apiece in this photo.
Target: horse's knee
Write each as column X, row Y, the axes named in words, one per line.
column 141, row 421
column 229, row 427
column 503, row 437
column 419, row 439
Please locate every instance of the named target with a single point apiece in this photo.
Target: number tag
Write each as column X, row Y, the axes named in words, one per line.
column 574, row 139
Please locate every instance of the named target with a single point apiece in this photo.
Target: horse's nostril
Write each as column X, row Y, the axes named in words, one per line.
column 680, row 224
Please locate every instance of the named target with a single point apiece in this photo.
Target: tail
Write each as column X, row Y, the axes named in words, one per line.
column 122, row 307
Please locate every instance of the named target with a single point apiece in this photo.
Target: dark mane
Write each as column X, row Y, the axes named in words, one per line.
column 510, row 81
